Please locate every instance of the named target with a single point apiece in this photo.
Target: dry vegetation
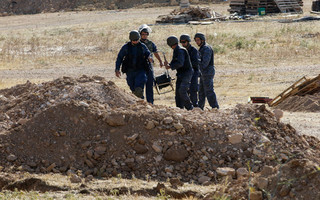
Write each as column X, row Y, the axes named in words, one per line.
column 258, row 58
column 249, row 55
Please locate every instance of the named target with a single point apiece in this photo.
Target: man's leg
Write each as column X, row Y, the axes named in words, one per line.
column 194, row 88
column 179, row 104
column 183, row 91
column 130, row 80
column 149, row 87
column 209, row 91
column 202, row 94
column 140, row 80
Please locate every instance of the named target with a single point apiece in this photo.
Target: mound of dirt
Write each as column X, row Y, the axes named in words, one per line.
column 307, row 103
column 88, row 126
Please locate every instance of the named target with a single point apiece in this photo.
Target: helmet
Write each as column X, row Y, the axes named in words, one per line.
column 145, row 28
column 172, row 40
column 185, row 37
column 200, row 35
column 134, row 35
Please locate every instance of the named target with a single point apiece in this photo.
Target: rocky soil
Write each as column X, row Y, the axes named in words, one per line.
column 88, row 127
column 308, row 103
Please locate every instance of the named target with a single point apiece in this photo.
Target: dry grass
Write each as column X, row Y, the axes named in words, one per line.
column 252, row 58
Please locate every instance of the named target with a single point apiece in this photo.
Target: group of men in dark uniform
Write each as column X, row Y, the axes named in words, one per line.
column 136, row 61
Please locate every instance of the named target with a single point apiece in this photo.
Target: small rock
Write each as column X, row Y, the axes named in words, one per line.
column 267, row 170
column 205, row 158
column 75, row 179
column 89, row 153
column 140, row 149
column 158, row 158
column 11, row 158
column 297, row 163
column 285, row 190
column 225, row 171
column 278, row 114
column 262, row 183
column 257, row 152
column 22, row 121
column 264, row 139
column 157, row 148
column 150, row 125
column 203, row 179
column 89, row 163
column 284, row 157
column 133, row 137
column 116, row 120
column 101, row 149
column 177, row 155
column 235, row 138
column 62, row 133
column 169, row 169
column 178, row 126
column 70, row 172
column 82, row 103
column 256, row 195
column 288, row 139
column 89, row 178
column 241, row 172
column 88, row 172
column 85, row 145
column 32, row 164
column 175, row 182
column 50, row 168
column 168, row 120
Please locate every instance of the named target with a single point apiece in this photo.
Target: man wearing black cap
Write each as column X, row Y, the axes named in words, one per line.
column 207, row 72
column 135, row 59
column 195, row 59
column 181, row 62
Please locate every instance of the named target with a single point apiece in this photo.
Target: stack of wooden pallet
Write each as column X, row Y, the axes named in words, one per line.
column 271, row 6
column 288, row 6
column 238, row 6
column 316, row 6
column 302, row 87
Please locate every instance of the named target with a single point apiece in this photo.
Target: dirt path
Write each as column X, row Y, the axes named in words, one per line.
column 304, row 123
column 47, row 20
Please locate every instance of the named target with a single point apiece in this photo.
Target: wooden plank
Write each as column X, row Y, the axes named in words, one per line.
column 298, row 88
column 286, row 93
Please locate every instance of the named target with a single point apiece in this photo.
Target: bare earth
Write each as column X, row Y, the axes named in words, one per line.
column 305, row 123
column 86, row 144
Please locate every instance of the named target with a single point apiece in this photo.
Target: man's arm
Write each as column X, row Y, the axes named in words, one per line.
column 195, row 58
column 156, row 54
column 178, row 63
column 121, row 54
column 206, row 57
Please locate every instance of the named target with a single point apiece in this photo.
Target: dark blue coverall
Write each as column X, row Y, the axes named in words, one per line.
column 206, row 79
column 194, row 86
column 181, row 62
column 134, row 61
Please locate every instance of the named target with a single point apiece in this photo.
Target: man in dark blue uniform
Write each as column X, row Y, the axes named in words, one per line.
column 181, row 62
column 207, row 72
column 195, row 59
column 134, row 58
column 144, row 31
